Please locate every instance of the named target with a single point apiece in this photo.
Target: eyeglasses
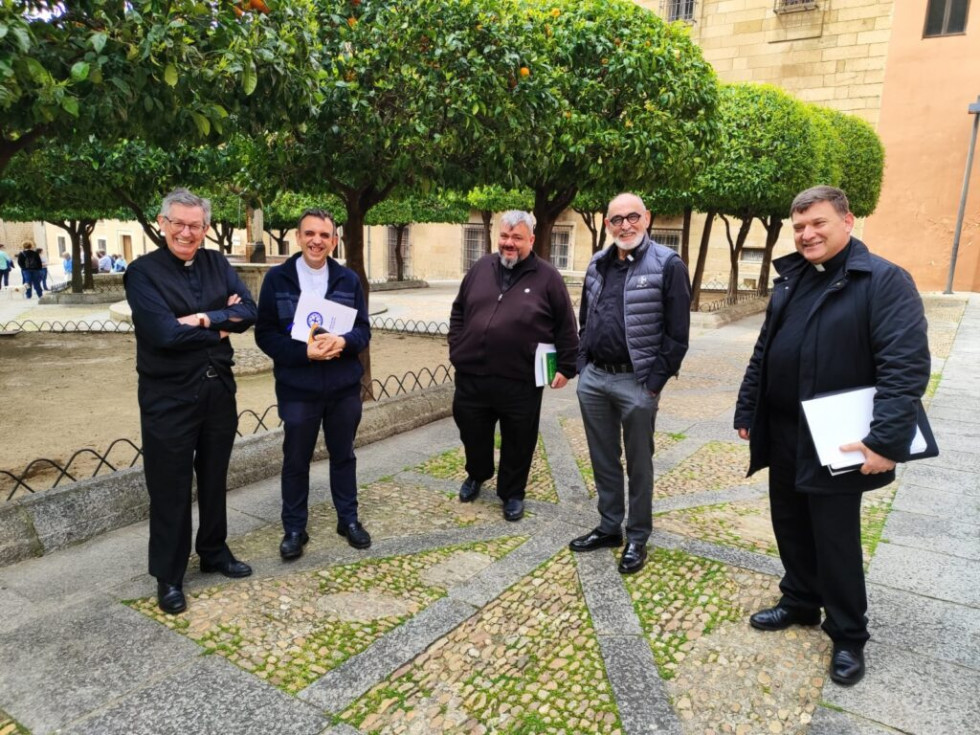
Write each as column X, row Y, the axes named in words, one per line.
column 632, row 218
column 179, row 226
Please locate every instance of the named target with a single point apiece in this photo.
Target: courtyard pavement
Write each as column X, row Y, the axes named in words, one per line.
column 457, row 621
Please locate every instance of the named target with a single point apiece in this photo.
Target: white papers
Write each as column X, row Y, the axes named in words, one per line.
column 545, row 364
column 335, row 318
column 843, row 418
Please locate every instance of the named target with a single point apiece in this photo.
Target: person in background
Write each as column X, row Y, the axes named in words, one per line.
column 44, row 268
column 6, row 265
column 105, row 262
column 30, row 269
column 66, row 264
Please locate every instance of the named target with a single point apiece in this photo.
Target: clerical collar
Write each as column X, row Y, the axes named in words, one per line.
column 188, row 263
column 834, row 263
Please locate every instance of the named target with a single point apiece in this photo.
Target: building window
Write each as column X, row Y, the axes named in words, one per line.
column 752, row 255
column 946, row 17
column 102, row 244
column 677, row 10
column 62, row 245
column 668, row 237
column 473, row 248
column 792, row 6
column 561, row 239
column 406, row 253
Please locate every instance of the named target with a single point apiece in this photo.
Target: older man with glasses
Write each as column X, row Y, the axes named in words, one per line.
column 185, row 301
column 633, row 330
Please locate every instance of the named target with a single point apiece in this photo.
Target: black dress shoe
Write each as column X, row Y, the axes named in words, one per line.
column 633, row 558
column 514, row 509
column 469, row 490
column 170, row 598
column 355, row 534
column 846, row 666
column 780, row 618
column 596, row 539
column 229, row 567
column 292, row 544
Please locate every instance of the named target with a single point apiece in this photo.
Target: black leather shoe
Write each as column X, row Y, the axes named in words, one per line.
column 170, row 598
column 780, row 618
column 514, row 509
column 229, row 567
column 633, row 558
column 292, row 544
column 596, row 539
column 846, row 666
column 355, row 534
column 469, row 490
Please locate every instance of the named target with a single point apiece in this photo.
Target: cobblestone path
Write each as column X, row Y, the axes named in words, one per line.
column 455, row 621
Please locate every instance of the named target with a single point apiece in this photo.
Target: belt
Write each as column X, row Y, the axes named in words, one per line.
column 614, row 367
column 210, row 373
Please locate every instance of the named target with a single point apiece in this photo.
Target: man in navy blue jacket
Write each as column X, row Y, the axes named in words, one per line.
column 839, row 318
column 318, row 382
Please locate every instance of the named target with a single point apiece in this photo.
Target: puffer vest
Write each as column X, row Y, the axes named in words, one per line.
column 643, row 303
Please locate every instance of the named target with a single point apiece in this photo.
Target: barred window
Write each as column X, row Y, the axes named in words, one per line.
column 473, row 247
column 677, row 9
column 62, row 244
column 668, row 237
column 790, row 6
column 946, row 17
column 561, row 238
column 752, row 255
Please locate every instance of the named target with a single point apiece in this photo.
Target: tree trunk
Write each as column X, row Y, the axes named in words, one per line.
column 278, row 236
column 702, row 258
column 223, row 235
column 547, row 209
column 399, row 255
column 686, row 237
column 773, row 226
column 735, row 253
column 487, row 216
column 148, row 225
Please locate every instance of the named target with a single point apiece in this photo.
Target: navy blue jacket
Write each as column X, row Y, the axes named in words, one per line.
column 867, row 329
column 297, row 377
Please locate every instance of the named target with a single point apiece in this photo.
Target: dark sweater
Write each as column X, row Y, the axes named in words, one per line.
column 496, row 332
column 297, row 377
column 172, row 358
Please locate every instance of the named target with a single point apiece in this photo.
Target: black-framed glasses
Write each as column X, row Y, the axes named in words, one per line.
column 179, row 226
column 632, row 218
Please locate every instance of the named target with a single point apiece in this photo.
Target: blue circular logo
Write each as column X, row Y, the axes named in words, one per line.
column 315, row 317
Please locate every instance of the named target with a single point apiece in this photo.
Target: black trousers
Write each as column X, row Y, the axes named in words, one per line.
column 339, row 416
column 181, row 440
column 478, row 404
column 819, row 540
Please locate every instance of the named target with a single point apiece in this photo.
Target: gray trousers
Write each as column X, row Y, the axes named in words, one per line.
column 615, row 406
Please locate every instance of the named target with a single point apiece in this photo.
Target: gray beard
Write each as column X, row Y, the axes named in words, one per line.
column 508, row 263
column 627, row 246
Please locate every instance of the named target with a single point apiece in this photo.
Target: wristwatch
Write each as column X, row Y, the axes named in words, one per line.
column 201, row 319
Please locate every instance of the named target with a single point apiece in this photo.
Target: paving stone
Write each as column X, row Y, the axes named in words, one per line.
column 206, row 696
column 609, row 603
column 926, row 474
column 927, row 573
column 935, row 502
column 641, row 695
column 830, row 722
column 68, row 663
column 911, row 693
column 925, row 625
column 941, row 534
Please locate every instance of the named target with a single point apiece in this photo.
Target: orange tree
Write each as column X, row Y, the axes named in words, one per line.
column 635, row 105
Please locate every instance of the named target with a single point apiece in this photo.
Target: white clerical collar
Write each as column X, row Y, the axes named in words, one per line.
column 819, row 267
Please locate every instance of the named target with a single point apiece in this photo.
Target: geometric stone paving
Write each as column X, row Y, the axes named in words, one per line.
column 451, row 465
column 9, row 727
column 714, row 466
column 291, row 630
column 527, row 663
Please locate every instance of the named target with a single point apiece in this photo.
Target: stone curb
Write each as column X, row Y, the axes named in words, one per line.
column 39, row 524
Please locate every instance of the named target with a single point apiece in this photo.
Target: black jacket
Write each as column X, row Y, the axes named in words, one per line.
column 868, row 328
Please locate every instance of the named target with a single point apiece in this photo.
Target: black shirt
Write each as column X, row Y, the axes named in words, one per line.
column 172, row 358
column 783, row 367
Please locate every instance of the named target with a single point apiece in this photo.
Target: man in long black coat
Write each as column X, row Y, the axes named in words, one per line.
column 839, row 318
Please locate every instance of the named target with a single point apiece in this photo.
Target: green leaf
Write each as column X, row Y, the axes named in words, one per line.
column 250, row 78
column 98, row 41
column 70, row 105
column 203, row 124
column 170, row 75
column 79, row 71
